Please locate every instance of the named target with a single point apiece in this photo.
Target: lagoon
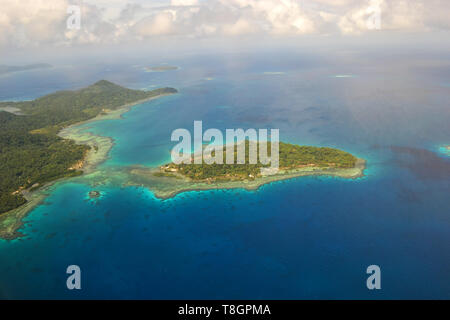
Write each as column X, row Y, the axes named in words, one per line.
column 307, row 237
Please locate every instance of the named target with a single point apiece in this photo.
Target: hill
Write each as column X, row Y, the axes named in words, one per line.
column 32, row 154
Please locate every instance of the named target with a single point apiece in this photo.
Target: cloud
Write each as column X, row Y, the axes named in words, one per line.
column 27, row 20
column 28, row 23
column 161, row 23
column 240, row 27
column 184, row 2
column 278, row 16
column 392, row 15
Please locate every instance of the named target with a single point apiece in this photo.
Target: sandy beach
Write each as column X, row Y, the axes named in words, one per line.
column 12, row 221
column 168, row 187
column 162, row 187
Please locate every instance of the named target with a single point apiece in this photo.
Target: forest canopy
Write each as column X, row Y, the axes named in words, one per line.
column 290, row 157
column 31, row 152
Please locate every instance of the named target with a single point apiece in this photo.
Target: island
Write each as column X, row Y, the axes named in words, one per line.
column 94, row 194
column 161, row 68
column 43, row 143
column 4, row 69
column 33, row 148
column 294, row 161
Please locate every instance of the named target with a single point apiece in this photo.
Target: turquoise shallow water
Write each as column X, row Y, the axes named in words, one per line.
column 310, row 237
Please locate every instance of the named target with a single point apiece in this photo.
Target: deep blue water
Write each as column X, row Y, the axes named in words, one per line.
column 310, row 237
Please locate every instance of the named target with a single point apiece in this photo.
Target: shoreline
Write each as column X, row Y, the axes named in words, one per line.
column 168, row 187
column 12, row 221
column 162, row 187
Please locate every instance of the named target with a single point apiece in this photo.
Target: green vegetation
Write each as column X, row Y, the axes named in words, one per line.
column 290, row 156
column 166, row 174
column 32, row 154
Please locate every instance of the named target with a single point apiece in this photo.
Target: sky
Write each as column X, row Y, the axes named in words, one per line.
column 44, row 23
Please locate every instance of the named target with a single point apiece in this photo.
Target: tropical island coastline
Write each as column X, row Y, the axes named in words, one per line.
column 167, row 180
column 99, row 145
column 295, row 161
column 77, row 152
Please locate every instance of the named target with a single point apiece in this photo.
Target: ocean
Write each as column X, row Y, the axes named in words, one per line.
column 304, row 238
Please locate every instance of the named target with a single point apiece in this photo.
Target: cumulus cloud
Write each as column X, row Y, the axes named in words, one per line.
column 405, row 15
column 21, row 22
column 277, row 16
column 240, row 27
column 40, row 22
column 158, row 24
column 184, row 2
